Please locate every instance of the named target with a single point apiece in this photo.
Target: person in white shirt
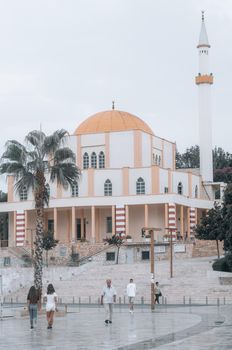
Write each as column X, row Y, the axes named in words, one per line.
column 108, row 298
column 51, row 304
column 131, row 292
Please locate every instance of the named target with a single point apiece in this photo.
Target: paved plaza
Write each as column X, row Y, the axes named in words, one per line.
column 182, row 328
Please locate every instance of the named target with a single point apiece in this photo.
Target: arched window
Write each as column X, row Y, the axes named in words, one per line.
column 107, row 188
column 48, row 190
column 180, row 188
column 159, row 160
column 196, row 191
column 85, row 160
column 23, row 194
column 156, row 160
column 75, row 189
column 153, row 158
column 93, row 160
column 101, row 160
column 140, row 186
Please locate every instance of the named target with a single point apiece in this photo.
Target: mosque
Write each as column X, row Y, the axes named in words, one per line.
column 128, row 179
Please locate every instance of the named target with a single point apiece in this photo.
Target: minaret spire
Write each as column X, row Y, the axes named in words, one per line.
column 204, row 80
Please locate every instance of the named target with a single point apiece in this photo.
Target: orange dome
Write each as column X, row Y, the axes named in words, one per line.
column 112, row 121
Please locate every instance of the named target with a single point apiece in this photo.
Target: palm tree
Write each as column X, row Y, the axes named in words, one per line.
column 30, row 164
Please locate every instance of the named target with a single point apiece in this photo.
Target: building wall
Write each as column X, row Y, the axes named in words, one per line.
column 121, row 149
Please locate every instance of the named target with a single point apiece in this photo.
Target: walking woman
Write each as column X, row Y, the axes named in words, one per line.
column 51, row 304
column 33, row 302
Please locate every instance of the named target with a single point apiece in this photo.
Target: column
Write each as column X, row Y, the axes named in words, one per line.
column 113, row 219
column 93, row 224
column 82, row 223
column 73, row 225
column 182, row 221
column 127, row 220
column 55, row 222
column 26, row 226
column 188, row 226
column 166, row 217
column 146, row 215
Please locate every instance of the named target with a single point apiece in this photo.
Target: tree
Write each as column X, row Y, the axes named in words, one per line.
column 189, row 159
column 210, row 227
column 41, row 156
column 227, row 218
column 116, row 240
column 48, row 243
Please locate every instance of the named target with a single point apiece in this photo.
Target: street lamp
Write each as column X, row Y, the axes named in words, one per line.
column 171, row 230
column 151, row 231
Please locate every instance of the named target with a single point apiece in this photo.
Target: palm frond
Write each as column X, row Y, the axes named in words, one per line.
column 66, row 174
column 27, row 180
column 35, row 138
column 64, row 154
column 13, row 168
column 15, row 152
column 54, row 141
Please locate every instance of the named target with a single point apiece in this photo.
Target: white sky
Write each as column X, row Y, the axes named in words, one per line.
column 64, row 60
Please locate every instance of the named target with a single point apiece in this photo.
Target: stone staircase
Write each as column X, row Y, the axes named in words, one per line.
column 193, row 279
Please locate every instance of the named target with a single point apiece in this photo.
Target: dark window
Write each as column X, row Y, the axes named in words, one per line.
column 23, row 194
column 110, row 256
column 180, row 188
column 101, row 160
column 107, row 188
column 165, row 189
column 145, row 255
column 75, row 189
column 196, row 191
column 6, row 261
column 50, row 225
column 85, row 161
column 140, row 186
column 93, row 160
column 48, row 190
column 109, row 224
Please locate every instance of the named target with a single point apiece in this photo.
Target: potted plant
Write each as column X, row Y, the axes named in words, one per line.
column 128, row 238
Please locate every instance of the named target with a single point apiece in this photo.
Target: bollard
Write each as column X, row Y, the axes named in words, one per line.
column 66, row 308
column 162, row 299
column 120, row 300
column 165, row 300
column 11, row 300
column 79, row 300
column 73, row 300
column 218, row 302
column 206, row 300
column 184, row 300
column 89, row 300
column 190, row 301
column 142, row 300
column 16, row 300
column 60, row 301
column 124, row 299
column 224, row 301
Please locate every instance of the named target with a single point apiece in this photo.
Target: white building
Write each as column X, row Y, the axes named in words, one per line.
column 129, row 179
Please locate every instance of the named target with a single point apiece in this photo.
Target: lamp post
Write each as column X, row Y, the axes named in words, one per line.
column 171, row 230
column 152, row 261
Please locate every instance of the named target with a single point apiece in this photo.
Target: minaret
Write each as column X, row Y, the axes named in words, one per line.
column 204, row 80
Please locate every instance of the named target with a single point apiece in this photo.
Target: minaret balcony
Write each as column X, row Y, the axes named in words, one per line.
column 204, row 79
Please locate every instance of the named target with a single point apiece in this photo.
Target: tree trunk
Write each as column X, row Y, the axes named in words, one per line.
column 117, row 255
column 38, row 263
column 39, row 205
column 218, row 252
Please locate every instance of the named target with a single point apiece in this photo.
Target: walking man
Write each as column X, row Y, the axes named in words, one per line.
column 108, row 297
column 131, row 291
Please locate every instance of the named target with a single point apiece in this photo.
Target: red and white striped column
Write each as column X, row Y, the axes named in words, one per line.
column 20, row 228
column 120, row 219
column 171, row 215
column 192, row 219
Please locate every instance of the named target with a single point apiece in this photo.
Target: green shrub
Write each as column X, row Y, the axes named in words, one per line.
column 223, row 264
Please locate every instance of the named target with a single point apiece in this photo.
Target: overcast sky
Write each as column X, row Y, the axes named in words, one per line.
column 64, row 60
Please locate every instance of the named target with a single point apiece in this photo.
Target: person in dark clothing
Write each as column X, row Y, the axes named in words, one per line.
column 33, row 302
